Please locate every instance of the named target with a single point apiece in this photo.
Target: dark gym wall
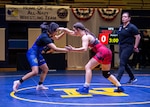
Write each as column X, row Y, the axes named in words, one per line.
column 139, row 17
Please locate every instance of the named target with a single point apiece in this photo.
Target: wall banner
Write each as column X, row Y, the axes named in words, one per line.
column 37, row 13
column 108, row 13
column 83, row 13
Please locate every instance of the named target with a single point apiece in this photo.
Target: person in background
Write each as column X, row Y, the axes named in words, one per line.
column 44, row 43
column 103, row 56
column 145, row 41
column 129, row 39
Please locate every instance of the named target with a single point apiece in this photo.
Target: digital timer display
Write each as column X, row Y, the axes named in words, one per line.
column 113, row 39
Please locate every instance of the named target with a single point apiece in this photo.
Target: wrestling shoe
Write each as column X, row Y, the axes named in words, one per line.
column 131, row 81
column 16, row 85
column 41, row 87
column 83, row 90
column 119, row 89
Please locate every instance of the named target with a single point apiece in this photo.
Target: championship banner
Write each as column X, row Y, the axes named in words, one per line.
column 37, row 13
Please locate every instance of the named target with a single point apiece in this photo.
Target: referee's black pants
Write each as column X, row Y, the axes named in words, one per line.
column 125, row 51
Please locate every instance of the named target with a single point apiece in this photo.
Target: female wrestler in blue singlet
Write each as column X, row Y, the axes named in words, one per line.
column 35, row 58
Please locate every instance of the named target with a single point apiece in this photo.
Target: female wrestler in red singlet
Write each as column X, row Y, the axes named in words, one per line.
column 103, row 56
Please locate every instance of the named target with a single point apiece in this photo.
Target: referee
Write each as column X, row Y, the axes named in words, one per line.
column 129, row 39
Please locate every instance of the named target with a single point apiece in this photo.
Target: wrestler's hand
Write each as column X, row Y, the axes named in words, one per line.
column 70, row 48
column 61, row 28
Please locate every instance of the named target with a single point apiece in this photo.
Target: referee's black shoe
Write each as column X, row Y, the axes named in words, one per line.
column 131, row 81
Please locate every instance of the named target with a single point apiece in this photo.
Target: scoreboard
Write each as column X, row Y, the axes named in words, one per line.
column 108, row 35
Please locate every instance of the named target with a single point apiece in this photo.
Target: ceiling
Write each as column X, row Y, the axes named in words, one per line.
column 124, row 4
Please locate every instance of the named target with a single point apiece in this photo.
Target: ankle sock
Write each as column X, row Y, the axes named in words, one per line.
column 40, row 83
column 21, row 80
column 86, row 85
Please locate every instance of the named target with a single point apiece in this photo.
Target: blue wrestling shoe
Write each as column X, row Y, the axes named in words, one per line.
column 119, row 89
column 83, row 90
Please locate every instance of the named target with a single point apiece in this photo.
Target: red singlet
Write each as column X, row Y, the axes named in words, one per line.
column 103, row 54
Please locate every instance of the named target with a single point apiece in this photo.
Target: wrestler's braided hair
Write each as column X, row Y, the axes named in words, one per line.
column 51, row 28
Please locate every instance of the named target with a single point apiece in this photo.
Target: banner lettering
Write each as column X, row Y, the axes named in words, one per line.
column 37, row 13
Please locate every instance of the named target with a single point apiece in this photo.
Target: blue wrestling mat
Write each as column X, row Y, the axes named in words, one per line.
column 62, row 91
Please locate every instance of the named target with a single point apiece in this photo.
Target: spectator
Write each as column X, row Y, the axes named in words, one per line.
column 145, row 41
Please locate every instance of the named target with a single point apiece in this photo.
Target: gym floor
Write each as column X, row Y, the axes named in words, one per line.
column 62, row 90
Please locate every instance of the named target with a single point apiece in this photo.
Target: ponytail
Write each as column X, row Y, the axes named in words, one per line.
column 44, row 27
column 87, row 30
